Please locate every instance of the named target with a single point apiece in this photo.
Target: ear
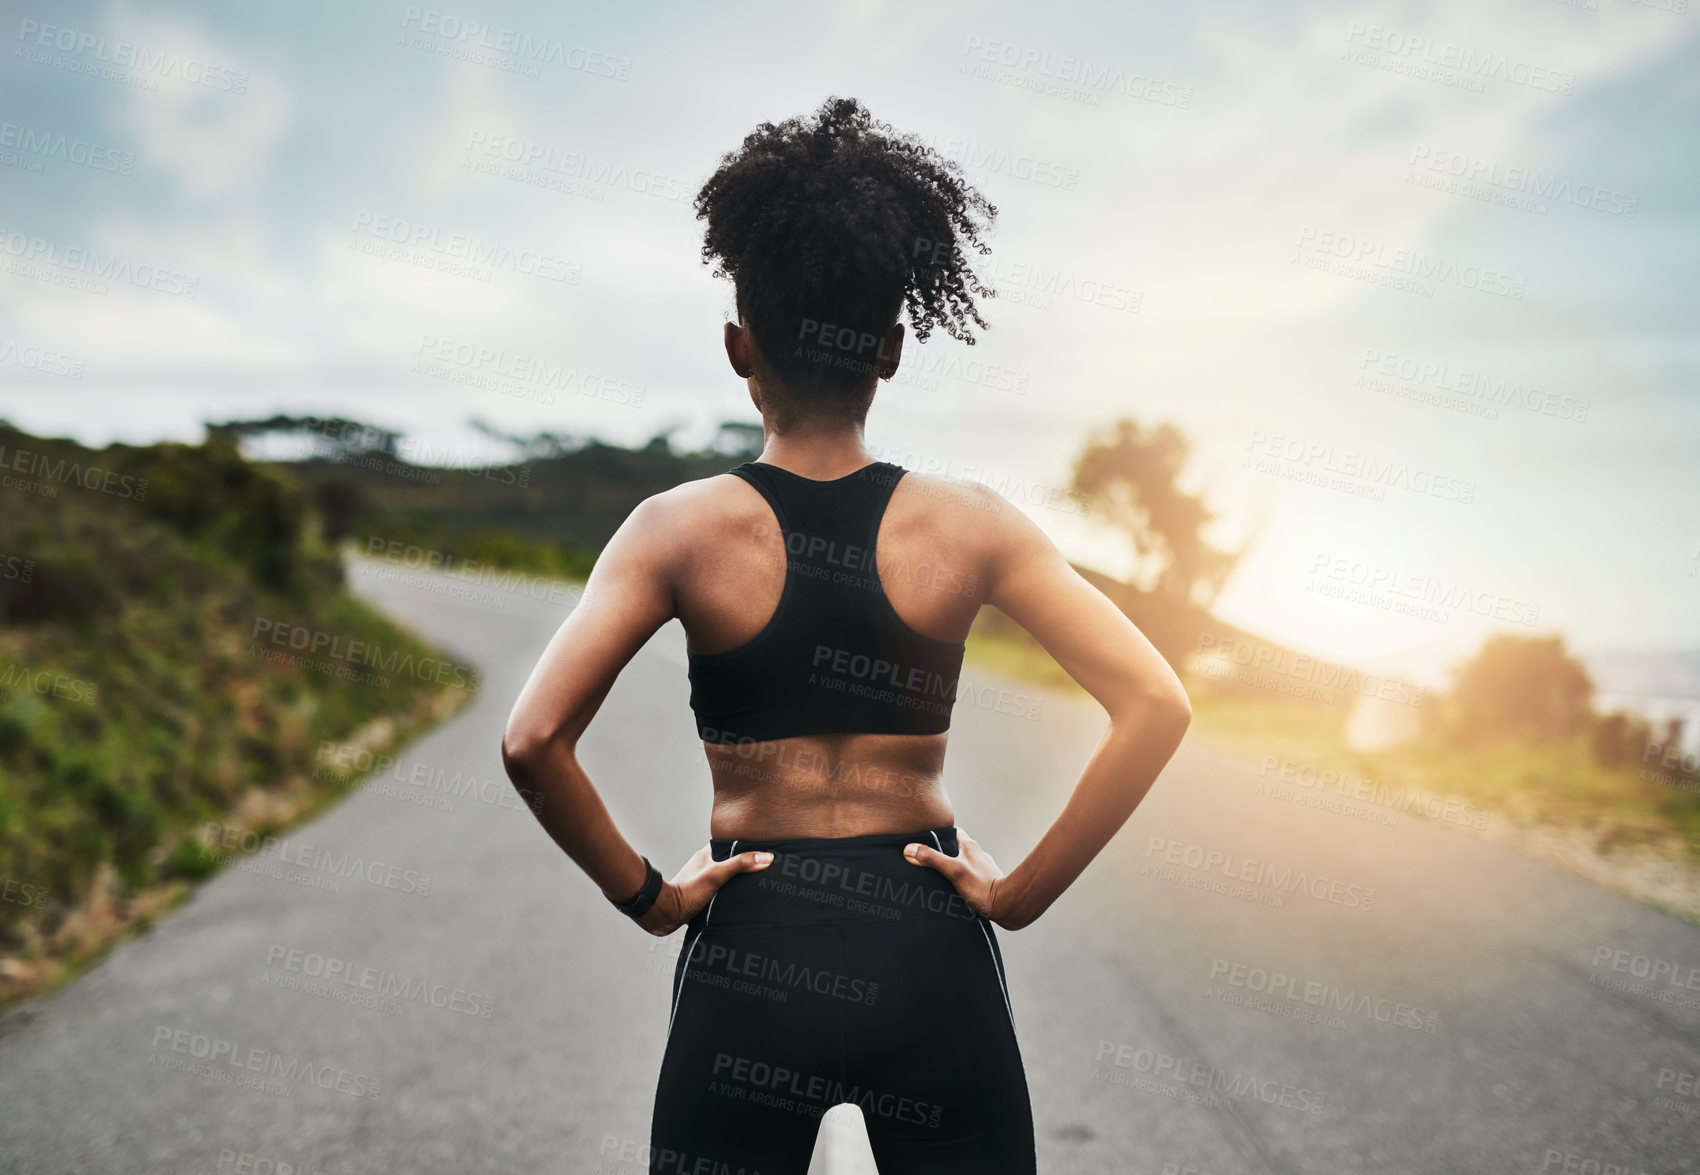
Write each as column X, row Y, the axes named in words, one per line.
column 891, row 351
column 738, row 349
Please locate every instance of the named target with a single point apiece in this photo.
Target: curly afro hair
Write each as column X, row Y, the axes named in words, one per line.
column 829, row 227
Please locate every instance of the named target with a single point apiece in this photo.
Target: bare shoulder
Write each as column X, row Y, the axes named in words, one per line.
column 970, row 510
column 672, row 525
column 690, row 500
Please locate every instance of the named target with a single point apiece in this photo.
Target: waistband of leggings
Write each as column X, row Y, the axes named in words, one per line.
column 826, row 846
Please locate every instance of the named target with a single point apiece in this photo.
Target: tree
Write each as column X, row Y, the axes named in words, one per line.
column 339, row 435
column 1521, row 687
column 1128, row 474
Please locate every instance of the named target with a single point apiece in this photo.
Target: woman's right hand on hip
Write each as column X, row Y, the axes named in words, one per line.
column 695, row 885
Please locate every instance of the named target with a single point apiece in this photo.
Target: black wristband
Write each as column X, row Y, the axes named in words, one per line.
column 638, row 905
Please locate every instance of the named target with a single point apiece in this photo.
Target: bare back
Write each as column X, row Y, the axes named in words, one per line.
column 931, row 554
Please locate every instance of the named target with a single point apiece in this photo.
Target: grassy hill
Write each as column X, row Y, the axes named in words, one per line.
column 175, row 641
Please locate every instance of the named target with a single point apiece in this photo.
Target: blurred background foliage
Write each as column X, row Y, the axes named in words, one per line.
column 132, row 703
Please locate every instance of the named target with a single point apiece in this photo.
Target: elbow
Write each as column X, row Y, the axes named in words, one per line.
column 1180, row 706
column 525, row 748
column 1172, row 711
column 1163, row 706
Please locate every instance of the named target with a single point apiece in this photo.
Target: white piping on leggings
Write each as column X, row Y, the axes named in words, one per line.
column 707, row 914
column 1002, row 987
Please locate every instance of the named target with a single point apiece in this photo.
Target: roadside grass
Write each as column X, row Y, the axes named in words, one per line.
column 142, row 696
column 1559, row 785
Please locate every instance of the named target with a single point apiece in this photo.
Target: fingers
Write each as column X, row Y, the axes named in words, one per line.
column 972, row 851
column 920, row 854
column 701, row 859
column 742, row 863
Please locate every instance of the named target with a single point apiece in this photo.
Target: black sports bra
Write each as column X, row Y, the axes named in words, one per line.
column 835, row 657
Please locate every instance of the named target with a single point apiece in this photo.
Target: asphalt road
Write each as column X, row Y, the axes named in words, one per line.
column 1243, row 982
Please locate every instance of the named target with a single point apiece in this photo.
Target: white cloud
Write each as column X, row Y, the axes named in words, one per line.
column 216, row 143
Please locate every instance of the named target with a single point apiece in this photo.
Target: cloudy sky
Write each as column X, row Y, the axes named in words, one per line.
column 1417, row 280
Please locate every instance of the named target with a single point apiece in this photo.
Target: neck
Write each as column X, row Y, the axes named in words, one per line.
column 817, row 449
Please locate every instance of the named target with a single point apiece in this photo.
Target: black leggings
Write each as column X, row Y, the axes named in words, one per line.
column 841, row 973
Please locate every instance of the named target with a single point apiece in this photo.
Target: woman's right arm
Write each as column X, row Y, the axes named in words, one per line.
column 1099, row 647
column 628, row 597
